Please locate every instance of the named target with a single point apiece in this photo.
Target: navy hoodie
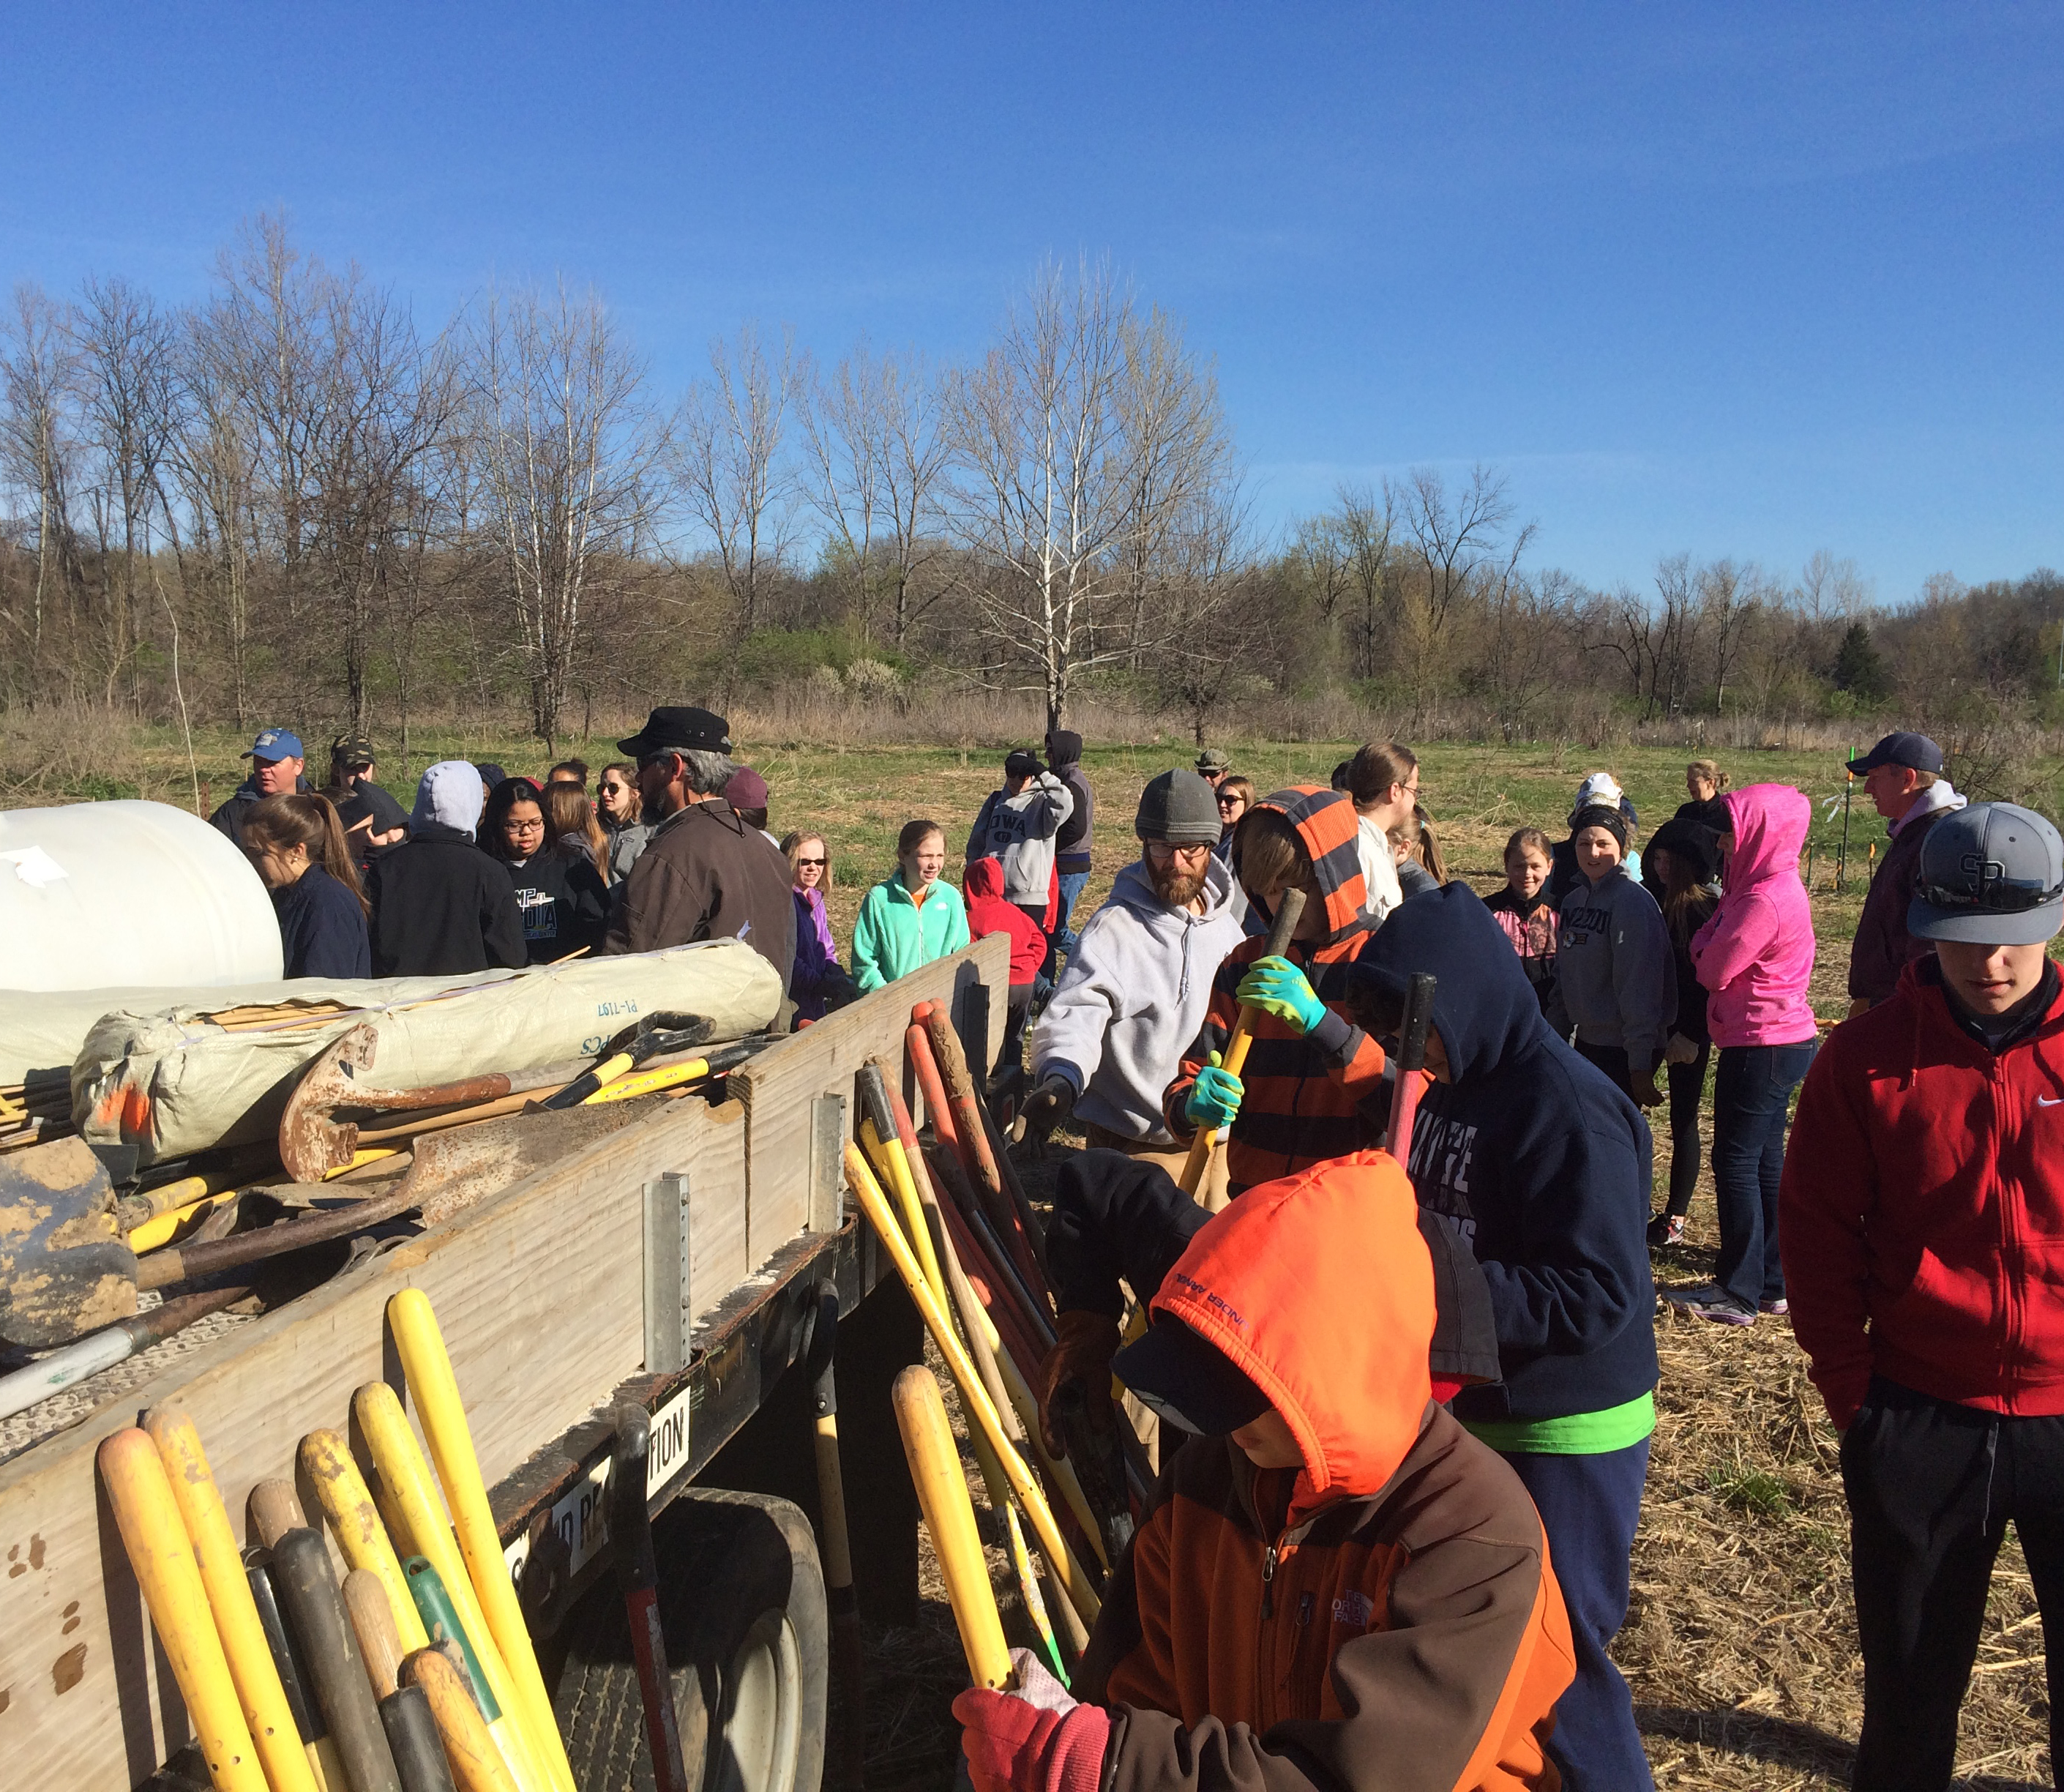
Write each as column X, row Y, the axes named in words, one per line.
column 1540, row 1162
column 322, row 928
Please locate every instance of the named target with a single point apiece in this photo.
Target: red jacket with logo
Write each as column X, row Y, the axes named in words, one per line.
column 1922, row 1215
column 1383, row 1620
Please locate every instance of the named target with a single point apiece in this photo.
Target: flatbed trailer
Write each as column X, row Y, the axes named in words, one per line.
column 673, row 1263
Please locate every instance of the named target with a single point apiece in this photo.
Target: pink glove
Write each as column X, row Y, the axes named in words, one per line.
column 1036, row 1740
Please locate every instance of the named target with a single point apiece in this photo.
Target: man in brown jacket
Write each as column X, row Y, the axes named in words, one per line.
column 705, row 874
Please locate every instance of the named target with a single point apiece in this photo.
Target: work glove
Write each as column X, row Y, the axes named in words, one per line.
column 1680, row 1050
column 1047, row 1107
column 1037, row 1739
column 1084, row 1343
column 1215, row 1097
column 1278, row 988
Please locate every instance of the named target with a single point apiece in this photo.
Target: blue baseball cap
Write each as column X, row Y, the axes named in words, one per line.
column 1916, row 752
column 275, row 743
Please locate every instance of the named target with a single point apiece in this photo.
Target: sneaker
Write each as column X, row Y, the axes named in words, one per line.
column 1666, row 1228
column 1778, row 1309
column 1710, row 1300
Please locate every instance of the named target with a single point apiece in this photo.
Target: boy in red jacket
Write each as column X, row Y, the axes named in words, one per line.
column 988, row 913
column 1923, row 1231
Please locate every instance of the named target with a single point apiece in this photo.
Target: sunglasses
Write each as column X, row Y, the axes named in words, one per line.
column 615, row 789
column 801, row 862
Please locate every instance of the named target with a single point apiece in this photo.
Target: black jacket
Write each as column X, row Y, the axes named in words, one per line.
column 440, row 905
column 1071, row 843
column 1540, row 1162
column 229, row 818
column 1882, row 947
column 322, row 928
column 564, row 901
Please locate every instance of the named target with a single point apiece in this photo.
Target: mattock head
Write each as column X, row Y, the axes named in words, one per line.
column 312, row 1140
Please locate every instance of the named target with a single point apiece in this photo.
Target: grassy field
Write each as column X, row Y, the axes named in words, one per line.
column 1740, row 1642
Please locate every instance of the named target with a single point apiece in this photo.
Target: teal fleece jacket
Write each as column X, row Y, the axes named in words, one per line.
column 893, row 936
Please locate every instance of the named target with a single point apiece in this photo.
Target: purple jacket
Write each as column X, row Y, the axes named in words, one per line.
column 1756, row 953
column 817, row 956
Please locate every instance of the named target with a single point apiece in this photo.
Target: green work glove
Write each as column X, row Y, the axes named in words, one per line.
column 1214, row 1098
column 1278, row 987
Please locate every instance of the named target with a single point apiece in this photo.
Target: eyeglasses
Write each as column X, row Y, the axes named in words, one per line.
column 801, row 862
column 514, row 826
column 1162, row 849
column 647, row 762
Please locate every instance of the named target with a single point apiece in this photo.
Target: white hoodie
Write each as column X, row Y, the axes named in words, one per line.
column 1132, row 1000
column 451, row 796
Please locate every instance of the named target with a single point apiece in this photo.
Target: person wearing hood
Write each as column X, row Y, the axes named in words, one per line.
column 1071, row 844
column 1756, row 958
column 1903, row 776
column 1544, row 1165
column 1923, row 1203
column 1017, row 826
column 1683, row 863
column 277, row 763
column 1599, row 790
column 1138, row 984
column 1333, row 1587
column 704, row 875
column 440, row 905
column 988, row 913
column 1615, row 984
column 1309, row 1066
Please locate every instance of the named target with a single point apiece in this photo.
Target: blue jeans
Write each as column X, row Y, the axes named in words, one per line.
column 1064, row 938
column 1588, row 1506
column 1751, row 1101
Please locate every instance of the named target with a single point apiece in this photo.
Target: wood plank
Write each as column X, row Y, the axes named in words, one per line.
column 778, row 1086
column 537, row 1292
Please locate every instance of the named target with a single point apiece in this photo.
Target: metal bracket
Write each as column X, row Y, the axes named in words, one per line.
column 667, row 1273
column 827, row 1163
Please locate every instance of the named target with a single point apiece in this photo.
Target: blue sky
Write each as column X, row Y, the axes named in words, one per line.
column 1745, row 280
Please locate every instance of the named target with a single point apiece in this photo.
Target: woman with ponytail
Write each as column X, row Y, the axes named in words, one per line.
column 297, row 844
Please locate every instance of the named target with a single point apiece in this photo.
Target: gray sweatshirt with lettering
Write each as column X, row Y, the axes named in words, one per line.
column 1615, row 975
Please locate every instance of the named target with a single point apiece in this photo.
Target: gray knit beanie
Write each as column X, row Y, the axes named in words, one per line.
column 1599, row 816
column 1179, row 809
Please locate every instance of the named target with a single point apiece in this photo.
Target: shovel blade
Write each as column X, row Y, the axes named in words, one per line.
column 63, row 1269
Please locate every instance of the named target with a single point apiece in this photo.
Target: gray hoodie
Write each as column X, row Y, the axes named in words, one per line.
column 1615, row 975
column 449, row 795
column 1132, row 1000
column 1018, row 832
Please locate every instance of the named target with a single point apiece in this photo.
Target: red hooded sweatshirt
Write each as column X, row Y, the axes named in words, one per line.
column 988, row 913
column 1922, row 1213
column 1386, row 1617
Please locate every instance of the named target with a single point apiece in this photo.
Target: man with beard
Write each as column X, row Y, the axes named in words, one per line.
column 1135, row 989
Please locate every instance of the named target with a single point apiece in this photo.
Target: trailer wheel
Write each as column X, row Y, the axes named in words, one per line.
column 742, row 1599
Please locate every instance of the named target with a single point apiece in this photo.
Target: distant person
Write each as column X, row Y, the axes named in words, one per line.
column 491, row 775
column 911, row 918
column 704, row 875
column 575, row 835
column 563, row 902
column 1922, row 1205
column 1135, row 994
column 747, row 794
column 617, row 809
column 1903, row 776
column 569, row 770
column 1071, row 844
column 1599, row 790
column 1235, row 797
column 1704, row 784
column 988, row 913
column 1684, row 860
column 1017, row 827
column 276, row 768
column 441, row 907
column 1756, row 958
column 1383, row 779
column 1420, row 867
column 1524, row 912
column 819, row 983
column 373, row 820
column 1211, row 765
column 298, row 846
column 1615, row 987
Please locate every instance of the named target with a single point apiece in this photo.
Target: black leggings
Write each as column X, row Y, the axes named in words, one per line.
column 1687, row 1084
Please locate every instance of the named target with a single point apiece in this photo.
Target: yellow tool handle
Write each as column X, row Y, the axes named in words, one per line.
column 935, row 1467
column 355, row 1520
column 405, row 1477
column 830, row 1495
column 1069, row 1573
column 895, row 1168
column 435, row 1390
column 252, row 1669
column 476, row 1764
column 155, row 1539
column 624, row 1088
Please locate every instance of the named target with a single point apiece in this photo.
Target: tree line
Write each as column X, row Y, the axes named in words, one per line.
column 292, row 500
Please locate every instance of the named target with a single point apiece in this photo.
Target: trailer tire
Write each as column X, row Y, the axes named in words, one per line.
column 742, row 1600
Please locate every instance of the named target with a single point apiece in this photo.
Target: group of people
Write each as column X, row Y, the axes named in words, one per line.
column 1417, row 1398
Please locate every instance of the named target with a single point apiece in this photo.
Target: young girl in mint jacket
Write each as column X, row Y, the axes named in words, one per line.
column 910, row 919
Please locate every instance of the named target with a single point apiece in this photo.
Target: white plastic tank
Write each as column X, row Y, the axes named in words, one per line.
column 94, row 895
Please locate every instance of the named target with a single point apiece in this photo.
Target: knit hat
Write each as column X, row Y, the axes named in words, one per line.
column 1693, row 842
column 746, row 789
column 1023, row 763
column 1600, row 816
column 1179, row 809
column 1599, row 789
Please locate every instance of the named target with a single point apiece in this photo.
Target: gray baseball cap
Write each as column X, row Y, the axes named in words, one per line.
column 1992, row 874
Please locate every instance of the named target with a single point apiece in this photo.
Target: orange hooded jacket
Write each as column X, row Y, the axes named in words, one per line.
column 1385, row 1617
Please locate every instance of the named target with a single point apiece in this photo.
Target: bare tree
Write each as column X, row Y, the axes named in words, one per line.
column 1454, row 540
column 1731, row 600
column 732, row 477
column 1319, row 566
column 1366, row 520
column 36, row 455
column 569, row 452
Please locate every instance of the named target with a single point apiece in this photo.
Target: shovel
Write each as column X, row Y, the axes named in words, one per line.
column 653, row 1037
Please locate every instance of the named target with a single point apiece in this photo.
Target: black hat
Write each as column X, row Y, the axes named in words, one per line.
column 1190, row 1382
column 1916, row 752
column 1599, row 816
column 1693, row 841
column 1022, row 763
column 1179, row 809
column 678, row 729
column 1992, row 874
column 490, row 773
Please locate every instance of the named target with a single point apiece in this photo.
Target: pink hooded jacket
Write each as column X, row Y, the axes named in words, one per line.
column 1756, row 955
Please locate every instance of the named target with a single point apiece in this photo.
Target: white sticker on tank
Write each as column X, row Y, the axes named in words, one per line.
column 36, row 867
